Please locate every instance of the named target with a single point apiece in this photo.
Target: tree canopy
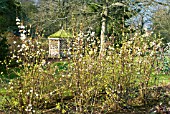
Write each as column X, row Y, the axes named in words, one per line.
column 161, row 23
column 8, row 11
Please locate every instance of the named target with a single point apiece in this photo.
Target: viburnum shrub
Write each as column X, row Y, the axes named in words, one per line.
column 34, row 80
column 118, row 80
column 88, row 83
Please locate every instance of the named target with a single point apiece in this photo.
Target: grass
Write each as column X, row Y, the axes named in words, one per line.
column 60, row 66
column 162, row 79
column 159, row 80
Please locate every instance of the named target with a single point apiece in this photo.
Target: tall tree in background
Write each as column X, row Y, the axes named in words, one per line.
column 113, row 15
column 8, row 12
column 104, row 16
column 28, row 8
column 162, row 24
column 51, row 15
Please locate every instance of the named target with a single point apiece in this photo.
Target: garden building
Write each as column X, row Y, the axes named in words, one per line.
column 59, row 44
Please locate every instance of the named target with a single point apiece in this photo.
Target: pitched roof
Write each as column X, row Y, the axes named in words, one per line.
column 61, row 34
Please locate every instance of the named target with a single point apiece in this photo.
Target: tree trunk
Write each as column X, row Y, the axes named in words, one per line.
column 103, row 28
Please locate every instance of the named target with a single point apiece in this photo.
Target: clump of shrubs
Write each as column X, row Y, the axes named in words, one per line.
column 118, row 80
column 90, row 84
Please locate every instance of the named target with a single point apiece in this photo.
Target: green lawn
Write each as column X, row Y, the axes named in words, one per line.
column 161, row 79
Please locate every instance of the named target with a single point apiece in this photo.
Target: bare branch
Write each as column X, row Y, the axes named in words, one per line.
column 116, row 4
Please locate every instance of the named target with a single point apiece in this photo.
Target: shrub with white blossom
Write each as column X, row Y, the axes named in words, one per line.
column 87, row 83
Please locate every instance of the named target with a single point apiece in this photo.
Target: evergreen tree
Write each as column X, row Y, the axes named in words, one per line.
column 8, row 12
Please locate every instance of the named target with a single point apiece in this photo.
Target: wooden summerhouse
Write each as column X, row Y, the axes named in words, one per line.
column 59, row 43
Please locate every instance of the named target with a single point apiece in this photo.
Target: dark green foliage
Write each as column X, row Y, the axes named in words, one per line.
column 162, row 26
column 115, row 20
column 27, row 10
column 8, row 12
column 3, row 52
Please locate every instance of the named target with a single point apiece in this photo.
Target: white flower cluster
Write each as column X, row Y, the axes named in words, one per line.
column 29, row 108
